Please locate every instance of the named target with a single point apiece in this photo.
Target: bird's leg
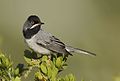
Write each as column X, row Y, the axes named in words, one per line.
column 65, row 56
column 49, row 57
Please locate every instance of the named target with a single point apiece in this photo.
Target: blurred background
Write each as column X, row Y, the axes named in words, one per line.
column 92, row 25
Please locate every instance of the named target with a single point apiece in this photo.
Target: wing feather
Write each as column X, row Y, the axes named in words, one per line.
column 52, row 43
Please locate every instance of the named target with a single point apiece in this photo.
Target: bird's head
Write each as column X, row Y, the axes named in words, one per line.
column 32, row 22
column 32, row 25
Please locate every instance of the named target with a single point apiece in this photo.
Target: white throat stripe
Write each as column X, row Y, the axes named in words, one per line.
column 34, row 26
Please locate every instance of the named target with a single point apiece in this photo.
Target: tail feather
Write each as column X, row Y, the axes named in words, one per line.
column 77, row 50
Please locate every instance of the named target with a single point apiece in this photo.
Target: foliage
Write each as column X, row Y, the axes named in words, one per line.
column 7, row 72
column 48, row 68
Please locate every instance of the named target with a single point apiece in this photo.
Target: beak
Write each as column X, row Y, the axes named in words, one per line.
column 42, row 23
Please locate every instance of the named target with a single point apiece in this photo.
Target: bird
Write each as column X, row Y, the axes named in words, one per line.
column 44, row 42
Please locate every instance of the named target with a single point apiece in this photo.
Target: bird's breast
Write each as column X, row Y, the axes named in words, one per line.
column 37, row 48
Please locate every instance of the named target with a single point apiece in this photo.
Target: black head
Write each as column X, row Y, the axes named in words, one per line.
column 33, row 19
column 31, row 26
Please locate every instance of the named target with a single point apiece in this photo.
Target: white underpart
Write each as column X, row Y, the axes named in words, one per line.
column 34, row 26
column 37, row 48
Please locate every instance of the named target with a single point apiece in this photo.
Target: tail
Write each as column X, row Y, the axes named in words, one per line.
column 77, row 50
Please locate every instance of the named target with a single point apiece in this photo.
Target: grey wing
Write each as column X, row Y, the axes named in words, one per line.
column 51, row 43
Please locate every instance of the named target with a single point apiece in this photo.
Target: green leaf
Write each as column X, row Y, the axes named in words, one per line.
column 28, row 60
column 71, row 77
column 49, row 72
column 38, row 75
column 66, row 78
column 17, row 79
column 44, row 58
column 54, row 61
column 4, row 61
column 16, row 71
column 28, row 71
column 54, row 73
column 59, row 62
column 43, row 68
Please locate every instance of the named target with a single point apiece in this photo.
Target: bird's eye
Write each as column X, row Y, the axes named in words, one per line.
column 32, row 22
